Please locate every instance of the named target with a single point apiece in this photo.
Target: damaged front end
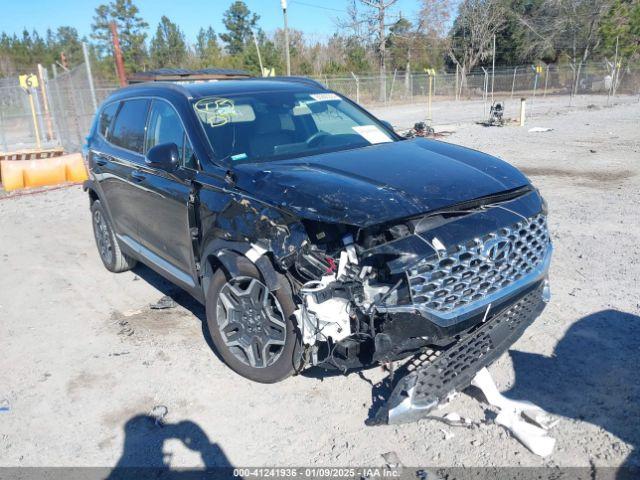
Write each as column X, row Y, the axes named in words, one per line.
column 455, row 287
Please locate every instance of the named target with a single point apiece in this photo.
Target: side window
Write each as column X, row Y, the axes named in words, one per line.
column 106, row 118
column 189, row 155
column 165, row 127
column 128, row 129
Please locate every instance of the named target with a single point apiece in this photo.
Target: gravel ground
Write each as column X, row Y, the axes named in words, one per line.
column 84, row 360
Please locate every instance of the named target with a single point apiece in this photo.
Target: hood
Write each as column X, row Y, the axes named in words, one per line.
column 379, row 183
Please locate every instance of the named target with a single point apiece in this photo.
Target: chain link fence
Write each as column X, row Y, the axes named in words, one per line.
column 507, row 82
column 63, row 105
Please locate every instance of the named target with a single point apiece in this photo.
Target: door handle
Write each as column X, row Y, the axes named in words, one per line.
column 137, row 176
column 101, row 161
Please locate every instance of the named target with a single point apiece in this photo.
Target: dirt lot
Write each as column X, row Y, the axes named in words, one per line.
column 84, row 360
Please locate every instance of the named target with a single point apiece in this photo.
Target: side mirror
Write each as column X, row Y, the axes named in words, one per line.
column 164, row 156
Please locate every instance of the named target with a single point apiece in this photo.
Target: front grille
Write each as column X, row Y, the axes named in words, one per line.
column 466, row 273
column 432, row 375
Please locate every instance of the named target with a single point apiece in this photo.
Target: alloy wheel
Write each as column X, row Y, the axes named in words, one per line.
column 103, row 237
column 251, row 322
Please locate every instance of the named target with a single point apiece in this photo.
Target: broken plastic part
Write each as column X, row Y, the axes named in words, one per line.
column 534, row 437
column 322, row 319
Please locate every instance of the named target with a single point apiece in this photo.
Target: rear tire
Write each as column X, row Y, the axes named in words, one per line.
column 263, row 346
column 108, row 248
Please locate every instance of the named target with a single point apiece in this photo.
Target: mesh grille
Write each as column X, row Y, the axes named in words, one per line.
column 453, row 368
column 465, row 273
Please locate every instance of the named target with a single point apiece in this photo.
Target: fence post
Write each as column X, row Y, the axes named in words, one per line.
column 357, row 87
column 51, row 102
column 45, row 101
column 513, row 83
column 393, row 82
column 484, row 96
column 535, row 86
column 546, row 81
column 33, row 117
column 85, row 52
column 43, row 133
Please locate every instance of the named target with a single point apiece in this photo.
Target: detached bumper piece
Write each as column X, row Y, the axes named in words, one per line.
column 432, row 376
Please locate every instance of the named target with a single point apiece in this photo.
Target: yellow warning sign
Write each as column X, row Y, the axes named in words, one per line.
column 28, row 81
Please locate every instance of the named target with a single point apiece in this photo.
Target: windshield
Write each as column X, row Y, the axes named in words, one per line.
column 259, row 127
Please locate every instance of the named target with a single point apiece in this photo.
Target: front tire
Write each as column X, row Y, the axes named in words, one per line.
column 110, row 254
column 252, row 328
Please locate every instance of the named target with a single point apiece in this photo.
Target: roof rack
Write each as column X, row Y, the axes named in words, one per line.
column 186, row 75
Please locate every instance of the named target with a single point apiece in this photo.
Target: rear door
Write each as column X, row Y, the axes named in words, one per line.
column 164, row 226
column 121, row 160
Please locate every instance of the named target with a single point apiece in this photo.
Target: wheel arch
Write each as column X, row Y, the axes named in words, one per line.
column 226, row 255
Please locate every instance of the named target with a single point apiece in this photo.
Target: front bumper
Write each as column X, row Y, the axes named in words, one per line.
column 430, row 378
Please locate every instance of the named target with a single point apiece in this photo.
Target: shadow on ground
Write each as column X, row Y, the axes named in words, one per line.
column 593, row 376
column 144, row 454
column 165, row 287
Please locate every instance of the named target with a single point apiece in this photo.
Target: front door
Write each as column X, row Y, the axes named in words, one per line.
column 164, row 227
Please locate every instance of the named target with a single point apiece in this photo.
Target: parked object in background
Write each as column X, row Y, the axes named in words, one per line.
column 496, row 116
column 420, row 129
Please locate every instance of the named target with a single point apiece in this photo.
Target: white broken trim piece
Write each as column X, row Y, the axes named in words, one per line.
column 255, row 252
column 534, row 437
column 342, row 264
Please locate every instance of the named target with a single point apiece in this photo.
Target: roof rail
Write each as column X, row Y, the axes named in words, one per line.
column 306, row 80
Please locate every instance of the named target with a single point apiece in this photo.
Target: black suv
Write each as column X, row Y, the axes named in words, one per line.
column 316, row 235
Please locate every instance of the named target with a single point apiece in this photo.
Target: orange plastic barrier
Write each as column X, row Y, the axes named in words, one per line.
column 11, row 172
column 75, row 169
column 46, row 171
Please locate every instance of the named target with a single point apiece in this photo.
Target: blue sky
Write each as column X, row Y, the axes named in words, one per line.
column 315, row 17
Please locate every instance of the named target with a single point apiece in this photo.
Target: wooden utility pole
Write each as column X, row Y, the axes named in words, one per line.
column 283, row 3
column 117, row 53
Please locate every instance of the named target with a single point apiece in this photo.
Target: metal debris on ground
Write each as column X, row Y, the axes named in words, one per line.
column 496, row 116
column 422, row 130
column 4, row 405
column 516, row 415
column 540, row 129
column 164, row 303
column 159, row 412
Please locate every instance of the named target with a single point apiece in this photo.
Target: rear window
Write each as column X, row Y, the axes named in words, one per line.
column 128, row 129
column 106, row 118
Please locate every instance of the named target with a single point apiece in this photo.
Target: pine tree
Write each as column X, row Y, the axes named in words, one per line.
column 207, row 48
column 130, row 32
column 239, row 22
column 168, row 46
